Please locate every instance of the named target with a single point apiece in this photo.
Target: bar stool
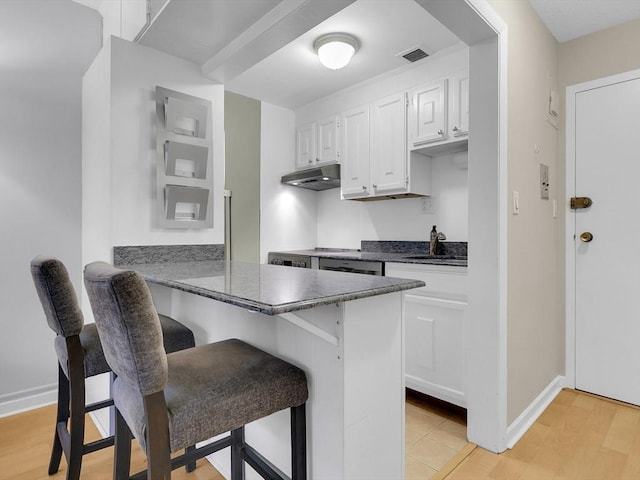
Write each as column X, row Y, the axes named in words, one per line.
column 80, row 356
column 172, row 400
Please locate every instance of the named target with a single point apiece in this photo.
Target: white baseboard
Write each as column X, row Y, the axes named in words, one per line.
column 18, row 402
column 521, row 424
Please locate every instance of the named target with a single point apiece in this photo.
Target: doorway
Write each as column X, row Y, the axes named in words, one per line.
column 603, row 258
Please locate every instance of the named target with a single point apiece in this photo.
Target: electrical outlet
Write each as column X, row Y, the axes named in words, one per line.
column 426, row 206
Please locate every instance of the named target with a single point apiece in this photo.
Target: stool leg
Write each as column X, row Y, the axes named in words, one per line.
column 237, row 444
column 77, row 418
column 62, row 416
column 298, row 443
column 122, row 451
column 191, row 466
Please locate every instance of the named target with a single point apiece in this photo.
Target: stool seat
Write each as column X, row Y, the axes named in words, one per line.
column 216, row 388
column 175, row 337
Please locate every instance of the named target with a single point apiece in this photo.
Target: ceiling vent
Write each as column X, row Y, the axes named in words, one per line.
column 415, row 55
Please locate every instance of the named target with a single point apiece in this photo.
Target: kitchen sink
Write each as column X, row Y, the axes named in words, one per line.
column 434, row 257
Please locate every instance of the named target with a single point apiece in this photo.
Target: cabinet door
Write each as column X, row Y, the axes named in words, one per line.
column 460, row 105
column 434, row 346
column 389, row 144
column 428, row 118
column 306, row 145
column 328, row 143
column 354, row 174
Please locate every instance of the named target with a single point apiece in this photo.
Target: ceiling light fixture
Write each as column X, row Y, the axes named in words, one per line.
column 336, row 49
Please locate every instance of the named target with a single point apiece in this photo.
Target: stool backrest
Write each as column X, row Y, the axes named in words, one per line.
column 57, row 295
column 128, row 326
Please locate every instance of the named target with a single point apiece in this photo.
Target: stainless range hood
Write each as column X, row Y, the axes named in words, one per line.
column 317, row 178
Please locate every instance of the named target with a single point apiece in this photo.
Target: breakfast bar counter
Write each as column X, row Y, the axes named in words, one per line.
column 345, row 330
column 268, row 289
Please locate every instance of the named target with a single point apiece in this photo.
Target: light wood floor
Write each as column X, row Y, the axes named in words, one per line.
column 578, row 437
column 25, row 447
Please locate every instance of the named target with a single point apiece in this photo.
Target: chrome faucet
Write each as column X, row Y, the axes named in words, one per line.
column 434, row 240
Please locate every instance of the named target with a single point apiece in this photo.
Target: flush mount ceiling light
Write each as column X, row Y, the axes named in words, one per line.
column 336, row 49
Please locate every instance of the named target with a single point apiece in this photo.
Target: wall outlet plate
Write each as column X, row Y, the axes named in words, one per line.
column 426, row 206
column 544, row 181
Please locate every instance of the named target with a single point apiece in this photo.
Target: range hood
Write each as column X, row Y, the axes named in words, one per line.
column 317, row 178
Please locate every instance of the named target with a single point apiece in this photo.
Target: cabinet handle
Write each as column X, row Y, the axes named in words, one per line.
column 374, row 186
column 317, row 159
column 455, row 129
column 364, row 188
column 440, row 132
column 310, row 161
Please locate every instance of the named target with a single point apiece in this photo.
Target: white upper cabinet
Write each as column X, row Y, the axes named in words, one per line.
column 328, row 135
column 355, row 181
column 460, row 105
column 428, row 117
column 317, row 143
column 306, row 145
column 375, row 162
column 439, row 115
column 389, row 144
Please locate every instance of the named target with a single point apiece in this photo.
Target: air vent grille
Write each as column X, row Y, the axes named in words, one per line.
column 415, row 55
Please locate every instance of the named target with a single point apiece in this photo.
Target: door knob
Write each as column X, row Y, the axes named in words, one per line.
column 586, row 237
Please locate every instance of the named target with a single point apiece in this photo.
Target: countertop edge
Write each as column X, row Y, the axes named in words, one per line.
column 406, row 284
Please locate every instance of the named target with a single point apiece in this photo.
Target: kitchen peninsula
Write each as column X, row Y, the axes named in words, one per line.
column 344, row 330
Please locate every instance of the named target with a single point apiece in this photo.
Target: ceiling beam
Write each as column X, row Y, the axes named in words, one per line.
column 283, row 24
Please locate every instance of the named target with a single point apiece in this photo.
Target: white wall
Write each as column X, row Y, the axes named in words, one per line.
column 535, row 328
column 41, row 67
column 288, row 216
column 120, row 157
column 344, row 223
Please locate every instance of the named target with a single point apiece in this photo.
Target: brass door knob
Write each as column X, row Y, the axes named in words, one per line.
column 586, row 237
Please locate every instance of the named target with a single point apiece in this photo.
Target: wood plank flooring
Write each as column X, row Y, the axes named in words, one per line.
column 578, row 437
column 25, row 447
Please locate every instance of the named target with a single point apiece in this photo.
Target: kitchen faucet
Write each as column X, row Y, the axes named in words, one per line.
column 434, row 240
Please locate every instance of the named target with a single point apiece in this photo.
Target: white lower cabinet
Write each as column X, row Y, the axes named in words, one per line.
column 434, row 318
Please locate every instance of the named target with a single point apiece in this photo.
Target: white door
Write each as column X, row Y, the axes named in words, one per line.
column 328, row 133
column 429, row 113
column 389, row 144
column 354, row 182
column 306, row 145
column 607, row 268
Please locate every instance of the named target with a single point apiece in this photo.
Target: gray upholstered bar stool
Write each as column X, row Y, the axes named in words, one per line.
column 170, row 401
column 80, row 356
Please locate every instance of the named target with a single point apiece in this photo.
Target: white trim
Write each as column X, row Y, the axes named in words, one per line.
column 527, row 418
column 24, row 400
column 570, row 265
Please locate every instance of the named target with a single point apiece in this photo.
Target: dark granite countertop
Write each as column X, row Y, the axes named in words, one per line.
column 268, row 289
column 398, row 257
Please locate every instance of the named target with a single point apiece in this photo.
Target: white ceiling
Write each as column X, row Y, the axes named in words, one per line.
column 569, row 19
column 293, row 76
column 263, row 48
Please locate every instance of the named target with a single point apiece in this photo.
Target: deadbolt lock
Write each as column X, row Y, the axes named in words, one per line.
column 586, row 237
column 580, row 202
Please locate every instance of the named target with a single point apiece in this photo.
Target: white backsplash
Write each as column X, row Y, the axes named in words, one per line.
column 343, row 223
